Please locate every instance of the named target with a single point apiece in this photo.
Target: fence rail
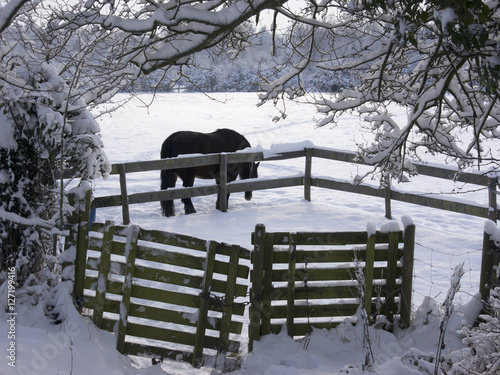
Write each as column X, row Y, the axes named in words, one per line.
column 307, row 180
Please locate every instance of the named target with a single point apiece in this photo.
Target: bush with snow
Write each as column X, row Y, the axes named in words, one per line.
column 481, row 354
column 46, row 128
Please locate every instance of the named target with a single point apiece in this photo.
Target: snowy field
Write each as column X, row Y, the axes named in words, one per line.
column 134, row 132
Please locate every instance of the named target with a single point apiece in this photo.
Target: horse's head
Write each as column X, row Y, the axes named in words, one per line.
column 249, row 171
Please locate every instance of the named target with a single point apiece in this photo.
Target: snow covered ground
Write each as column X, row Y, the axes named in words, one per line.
column 136, row 132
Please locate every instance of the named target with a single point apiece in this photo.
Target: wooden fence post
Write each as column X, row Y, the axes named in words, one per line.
column 256, row 288
column 369, row 266
column 223, row 183
column 82, row 244
column 290, row 301
column 307, row 174
column 130, row 253
column 492, row 198
column 489, row 260
column 387, row 193
column 407, row 278
column 124, row 195
column 204, row 305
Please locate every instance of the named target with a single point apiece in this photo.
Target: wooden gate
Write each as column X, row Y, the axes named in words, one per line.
column 304, row 280
column 165, row 295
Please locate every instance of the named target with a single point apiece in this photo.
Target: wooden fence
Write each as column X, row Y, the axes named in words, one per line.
column 299, row 283
column 173, row 296
column 128, row 302
column 164, row 295
column 307, row 180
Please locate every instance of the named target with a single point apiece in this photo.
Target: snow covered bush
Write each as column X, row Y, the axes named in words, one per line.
column 481, row 354
column 45, row 128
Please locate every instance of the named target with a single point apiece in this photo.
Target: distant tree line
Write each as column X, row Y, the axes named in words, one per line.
column 214, row 70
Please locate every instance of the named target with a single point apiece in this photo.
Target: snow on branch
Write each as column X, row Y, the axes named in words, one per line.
column 169, row 34
column 9, row 11
column 432, row 60
column 17, row 219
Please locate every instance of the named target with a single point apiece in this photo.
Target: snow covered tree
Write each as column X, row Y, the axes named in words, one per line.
column 439, row 59
column 46, row 128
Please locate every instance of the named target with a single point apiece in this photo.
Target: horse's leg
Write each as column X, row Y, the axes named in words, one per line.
column 217, row 204
column 188, row 181
column 168, row 179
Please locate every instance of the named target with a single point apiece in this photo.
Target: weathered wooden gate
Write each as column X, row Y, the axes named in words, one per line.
column 304, row 280
column 162, row 294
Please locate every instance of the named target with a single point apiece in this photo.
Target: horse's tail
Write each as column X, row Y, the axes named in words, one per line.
column 168, row 177
column 166, row 148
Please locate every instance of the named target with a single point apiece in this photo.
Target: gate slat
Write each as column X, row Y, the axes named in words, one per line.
column 407, row 279
column 158, row 255
column 332, row 274
column 257, row 285
column 176, row 337
column 290, row 304
column 390, row 286
column 204, row 305
column 369, row 267
column 163, row 296
column 131, row 250
column 102, row 278
column 165, row 315
column 317, row 311
column 331, row 255
column 226, row 323
column 267, row 285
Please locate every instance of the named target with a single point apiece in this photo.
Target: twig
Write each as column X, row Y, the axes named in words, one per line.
column 458, row 272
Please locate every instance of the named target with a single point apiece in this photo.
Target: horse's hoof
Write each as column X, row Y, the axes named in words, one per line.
column 168, row 213
column 190, row 211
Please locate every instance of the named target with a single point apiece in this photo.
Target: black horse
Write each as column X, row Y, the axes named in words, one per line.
column 187, row 142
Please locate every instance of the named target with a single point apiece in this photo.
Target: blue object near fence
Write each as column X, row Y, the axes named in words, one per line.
column 93, row 212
